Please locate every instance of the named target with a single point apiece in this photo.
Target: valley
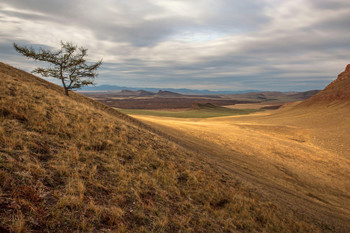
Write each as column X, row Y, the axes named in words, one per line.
column 297, row 155
column 175, row 116
column 290, row 160
column 260, row 164
column 165, row 100
column 290, row 147
column 72, row 164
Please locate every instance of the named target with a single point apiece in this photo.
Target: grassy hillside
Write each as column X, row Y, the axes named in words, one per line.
column 70, row 164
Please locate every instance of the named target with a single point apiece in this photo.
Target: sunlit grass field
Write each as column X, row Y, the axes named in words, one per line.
column 303, row 152
column 201, row 113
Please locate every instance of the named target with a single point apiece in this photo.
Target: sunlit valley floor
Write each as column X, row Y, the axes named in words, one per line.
column 299, row 158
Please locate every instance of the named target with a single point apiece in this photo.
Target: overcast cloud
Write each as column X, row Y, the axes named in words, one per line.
column 202, row 44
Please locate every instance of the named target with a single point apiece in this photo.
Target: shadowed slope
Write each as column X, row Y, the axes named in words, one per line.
column 72, row 164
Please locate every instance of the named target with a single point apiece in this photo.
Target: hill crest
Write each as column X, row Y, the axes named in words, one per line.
column 343, row 75
column 169, row 94
column 337, row 91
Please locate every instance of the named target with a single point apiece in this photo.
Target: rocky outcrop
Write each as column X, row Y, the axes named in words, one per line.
column 342, row 76
column 336, row 91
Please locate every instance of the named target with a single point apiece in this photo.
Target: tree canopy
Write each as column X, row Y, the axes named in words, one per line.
column 67, row 64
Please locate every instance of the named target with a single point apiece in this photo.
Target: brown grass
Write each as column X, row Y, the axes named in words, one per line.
column 70, row 164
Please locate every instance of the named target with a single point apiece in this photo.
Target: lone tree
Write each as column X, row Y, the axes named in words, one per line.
column 67, row 64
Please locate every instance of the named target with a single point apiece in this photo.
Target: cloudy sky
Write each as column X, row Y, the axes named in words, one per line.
column 200, row 44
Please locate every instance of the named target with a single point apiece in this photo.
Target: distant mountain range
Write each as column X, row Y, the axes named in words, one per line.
column 155, row 90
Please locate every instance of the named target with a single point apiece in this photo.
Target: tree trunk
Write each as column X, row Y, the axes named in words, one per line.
column 66, row 91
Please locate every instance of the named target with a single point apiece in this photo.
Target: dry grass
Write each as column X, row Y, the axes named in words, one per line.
column 302, row 152
column 69, row 164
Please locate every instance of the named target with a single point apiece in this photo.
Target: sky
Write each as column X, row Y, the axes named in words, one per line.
column 232, row 45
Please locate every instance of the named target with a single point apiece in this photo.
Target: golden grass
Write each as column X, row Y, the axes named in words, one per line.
column 70, row 164
column 300, row 151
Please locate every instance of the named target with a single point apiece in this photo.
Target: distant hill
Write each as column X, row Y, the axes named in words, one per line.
column 303, row 95
column 72, row 164
column 198, row 106
column 178, row 93
column 145, row 93
column 275, row 95
column 129, row 93
column 168, row 94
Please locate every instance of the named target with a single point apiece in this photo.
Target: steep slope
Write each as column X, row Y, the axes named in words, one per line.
column 336, row 91
column 70, row 164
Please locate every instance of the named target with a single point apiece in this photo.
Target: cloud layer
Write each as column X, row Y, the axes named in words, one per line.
column 217, row 45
